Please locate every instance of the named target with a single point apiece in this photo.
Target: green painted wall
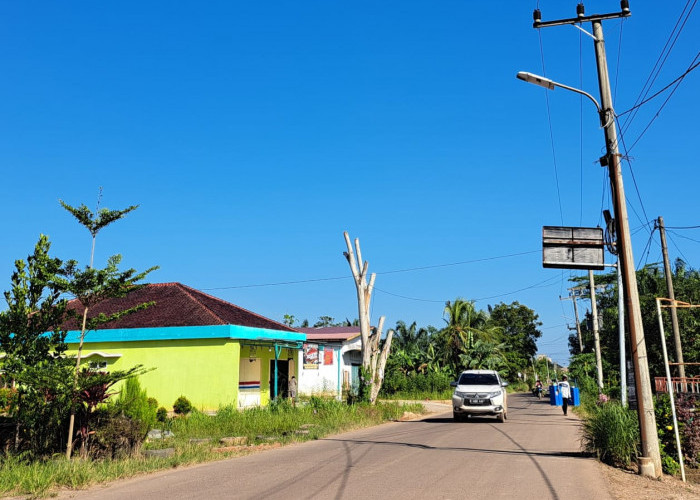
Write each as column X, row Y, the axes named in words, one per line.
column 205, row 371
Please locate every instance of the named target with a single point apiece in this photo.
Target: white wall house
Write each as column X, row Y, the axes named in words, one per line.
column 330, row 360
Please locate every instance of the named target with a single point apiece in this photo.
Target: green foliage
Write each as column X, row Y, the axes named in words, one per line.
column 162, row 414
column 688, row 429
column 519, row 327
column 361, row 393
column 259, row 425
column 612, row 432
column 8, row 399
column 182, row 406
column 34, row 342
column 417, row 386
column 134, row 403
column 94, row 222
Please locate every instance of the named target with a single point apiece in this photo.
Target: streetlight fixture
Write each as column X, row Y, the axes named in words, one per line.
column 550, row 84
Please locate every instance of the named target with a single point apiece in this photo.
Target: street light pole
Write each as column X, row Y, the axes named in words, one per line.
column 645, row 403
column 650, row 460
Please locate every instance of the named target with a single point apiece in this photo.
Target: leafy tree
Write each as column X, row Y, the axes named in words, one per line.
column 289, row 320
column 34, row 342
column 324, row 321
column 518, row 332
column 91, row 286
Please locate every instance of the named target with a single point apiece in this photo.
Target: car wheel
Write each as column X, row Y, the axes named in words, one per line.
column 501, row 417
column 457, row 418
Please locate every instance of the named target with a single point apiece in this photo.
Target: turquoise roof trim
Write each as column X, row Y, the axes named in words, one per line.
column 185, row 332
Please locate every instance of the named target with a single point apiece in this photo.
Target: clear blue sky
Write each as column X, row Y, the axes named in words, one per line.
column 253, row 134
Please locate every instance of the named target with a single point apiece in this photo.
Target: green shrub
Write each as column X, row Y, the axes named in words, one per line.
column 134, row 403
column 161, row 414
column 416, row 385
column 182, row 406
column 611, row 431
column 518, row 386
column 8, row 398
column 116, row 435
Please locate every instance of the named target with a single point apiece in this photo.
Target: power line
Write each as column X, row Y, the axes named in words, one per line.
column 634, row 179
column 682, row 227
column 661, row 60
column 540, row 284
column 693, row 66
column 677, row 248
column 660, row 109
column 551, row 132
column 682, row 236
column 473, row 261
column 420, row 268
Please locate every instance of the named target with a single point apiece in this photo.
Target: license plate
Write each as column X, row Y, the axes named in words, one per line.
column 476, row 401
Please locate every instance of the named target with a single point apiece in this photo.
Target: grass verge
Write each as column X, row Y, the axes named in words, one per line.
column 197, row 438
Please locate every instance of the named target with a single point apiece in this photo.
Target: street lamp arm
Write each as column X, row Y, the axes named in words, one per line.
column 550, row 84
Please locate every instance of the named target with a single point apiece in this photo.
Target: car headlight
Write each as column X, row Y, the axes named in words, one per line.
column 494, row 394
column 460, row 394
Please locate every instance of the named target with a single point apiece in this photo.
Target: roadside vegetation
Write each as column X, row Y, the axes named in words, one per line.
column 610, row 430
column 190, row 438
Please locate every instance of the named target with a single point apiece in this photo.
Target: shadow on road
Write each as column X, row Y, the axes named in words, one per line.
column 522, row 451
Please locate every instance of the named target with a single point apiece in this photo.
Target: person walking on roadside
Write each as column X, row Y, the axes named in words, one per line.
column 565, row 391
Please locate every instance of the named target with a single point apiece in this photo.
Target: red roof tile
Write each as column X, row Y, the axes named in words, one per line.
column 331, row 332
column 175, row 305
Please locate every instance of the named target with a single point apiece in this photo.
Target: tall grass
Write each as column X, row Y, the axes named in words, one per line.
column 612, row 432
column 278, row 423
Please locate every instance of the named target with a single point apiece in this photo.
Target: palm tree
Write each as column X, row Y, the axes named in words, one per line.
column 465, row 325
column 407, row 346
column 485, row 356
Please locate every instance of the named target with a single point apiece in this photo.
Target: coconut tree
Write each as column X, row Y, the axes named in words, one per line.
column 465, row 325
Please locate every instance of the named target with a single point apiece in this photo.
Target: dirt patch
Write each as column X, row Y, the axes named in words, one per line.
column 628, row 485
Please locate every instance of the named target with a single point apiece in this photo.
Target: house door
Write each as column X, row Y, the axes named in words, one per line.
column 355, row 377
column 282, row 378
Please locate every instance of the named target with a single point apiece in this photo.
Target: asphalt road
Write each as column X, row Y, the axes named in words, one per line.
column 534, row 454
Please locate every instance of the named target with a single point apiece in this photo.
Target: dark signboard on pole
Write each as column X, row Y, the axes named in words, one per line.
column 573, row 247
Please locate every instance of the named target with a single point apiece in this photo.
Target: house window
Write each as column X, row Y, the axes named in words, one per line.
column 98, row 365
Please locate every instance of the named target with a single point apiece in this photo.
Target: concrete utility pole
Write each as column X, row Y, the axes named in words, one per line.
column 572, row 297
column 596, row 333
column 672, row 296
column 650, row 459
column 647, row 419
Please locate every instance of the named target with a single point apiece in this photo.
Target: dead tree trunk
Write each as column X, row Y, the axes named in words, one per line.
column 373, row 358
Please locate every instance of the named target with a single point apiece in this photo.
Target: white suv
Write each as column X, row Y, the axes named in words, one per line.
column 479, row 392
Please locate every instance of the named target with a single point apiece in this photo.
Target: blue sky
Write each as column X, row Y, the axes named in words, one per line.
column 252, row 134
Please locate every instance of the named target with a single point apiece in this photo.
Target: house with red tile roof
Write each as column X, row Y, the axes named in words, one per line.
column 210, row 351
column 330, row 361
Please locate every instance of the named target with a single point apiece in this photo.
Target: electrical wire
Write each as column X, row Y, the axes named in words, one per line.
column 660, row 109
column 580, row 85
column 551, row 131
column 617, row 67
column 682, row 236
column 626, row 157
column 682, row 227
column 646, row 250
column 661, row 60
column 540, row 284
column 678, row 248
column 421, row 268
column 693, row 65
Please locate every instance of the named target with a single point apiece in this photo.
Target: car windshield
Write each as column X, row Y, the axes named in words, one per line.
column 478, row 379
